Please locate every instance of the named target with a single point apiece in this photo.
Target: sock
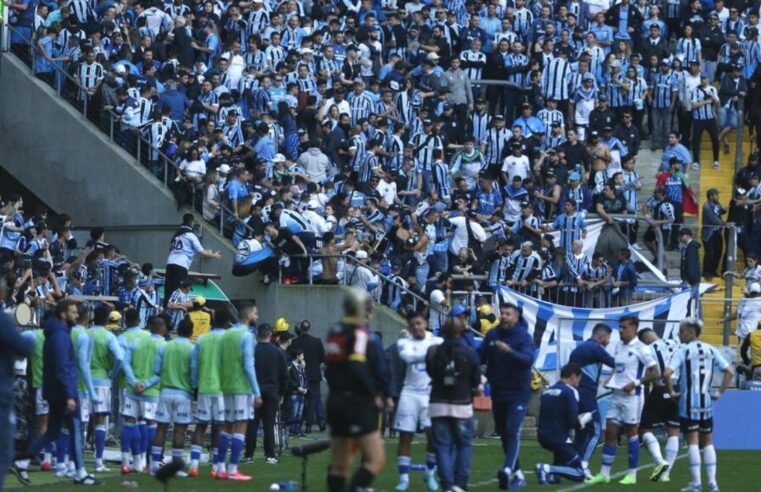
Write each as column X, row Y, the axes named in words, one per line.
column 403, row 463
column 653, row 447
column 47, row 456
column 336, row 483
column 236, row 448
column 508, row 472
column 155, row 457
column 633, row 455
column 213, row 457
column 709, row 460
column 147, row 437
column 430, row 463
column 694, row 458
column 195, row 456
column 100, row 442
column 176, row 454
column 144, row 440
column 672, row 449
column 608, row 455
column 128, row 432
column 62, row 448
column 361, row 479
column 519, row 474
column 222, row 444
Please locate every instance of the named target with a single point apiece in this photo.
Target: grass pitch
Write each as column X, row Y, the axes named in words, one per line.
column 738, row 471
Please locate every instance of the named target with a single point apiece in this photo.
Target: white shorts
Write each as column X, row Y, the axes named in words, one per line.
column 138, row 409
column 210, row 408
column 41, row 406
column 239, row 408
column 412, row 412
column 625, row 409
column 104, row 401
column 85, row 408
column 174, row 409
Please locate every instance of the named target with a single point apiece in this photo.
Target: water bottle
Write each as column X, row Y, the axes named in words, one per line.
column 291, row 485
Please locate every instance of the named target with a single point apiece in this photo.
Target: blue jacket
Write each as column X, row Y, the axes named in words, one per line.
column 509, row 374
column 590, row 356
column 558, row 413
column 177, row 101
column 12, row 346
column 59, row 373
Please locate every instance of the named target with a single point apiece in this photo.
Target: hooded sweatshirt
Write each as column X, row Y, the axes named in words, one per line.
column 315, row 164
column 59, row 374
column 509, row 374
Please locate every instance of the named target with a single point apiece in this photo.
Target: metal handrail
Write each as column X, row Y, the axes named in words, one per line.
column 113, row 117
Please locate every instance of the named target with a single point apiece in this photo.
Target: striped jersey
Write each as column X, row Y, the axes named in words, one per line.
column 424, row 147
column 555, row 78
column 688, row 49
column 473, row 63
column 706, row 112
column 177, row 315
column 480, row 124
column 570, row 227
column 361, row 106
column 664, row 87
column 496, row 140
column 526, row 267
column 696, row 362
column 663, row 351
column 441, row 179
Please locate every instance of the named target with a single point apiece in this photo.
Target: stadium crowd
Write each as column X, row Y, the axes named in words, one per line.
column 360, row 127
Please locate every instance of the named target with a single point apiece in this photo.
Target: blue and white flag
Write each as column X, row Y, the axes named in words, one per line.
column 249, row 255
column 558, row 329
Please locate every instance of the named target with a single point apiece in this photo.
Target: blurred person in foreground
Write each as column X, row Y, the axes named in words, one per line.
column 455, row 374
column 355, row 399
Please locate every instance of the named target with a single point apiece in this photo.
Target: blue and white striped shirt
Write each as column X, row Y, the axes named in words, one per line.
column 696, row 362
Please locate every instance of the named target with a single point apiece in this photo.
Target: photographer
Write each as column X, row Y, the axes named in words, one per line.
column 455, row 378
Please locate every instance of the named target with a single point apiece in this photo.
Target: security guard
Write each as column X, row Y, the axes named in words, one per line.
column 355, row 401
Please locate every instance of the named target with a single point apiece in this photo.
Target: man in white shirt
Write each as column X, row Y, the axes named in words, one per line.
column 412, row 409
column 515, row 164
column 461, row 236
column 387, row 189
column 184, row 247
column 635, row 367
column 235, row 64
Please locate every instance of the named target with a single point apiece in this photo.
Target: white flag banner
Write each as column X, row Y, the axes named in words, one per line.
column 558, row 329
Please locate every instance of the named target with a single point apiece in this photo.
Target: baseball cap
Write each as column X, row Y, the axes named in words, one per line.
column 574, row 177
column 278, row 158
column 116, row 316
column 458, row 310
column 200, row 300
column 361, row 254
column 224, row 169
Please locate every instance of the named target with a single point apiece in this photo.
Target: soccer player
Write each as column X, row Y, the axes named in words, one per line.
column 141, row 394
column 660, row 409
column 696, row 363
column 412, row 409
column 106, row 358
column 131, row 435
column 172, row 368
column 558, row 415
column 241, row 392
column 205, row 365
column 590, row 356
column 41, row 407
column 635, row 366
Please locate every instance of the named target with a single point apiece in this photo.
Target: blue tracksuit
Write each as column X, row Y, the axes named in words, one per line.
column 558, row 414
column 509, row 376
column 59, row 384
column 590, row 356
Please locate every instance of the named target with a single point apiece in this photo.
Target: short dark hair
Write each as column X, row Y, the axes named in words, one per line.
column 569, row 370
column 601, row 328
column 641, row 334
column 629, row 319
column 100, row 315
column 63, row 306
column 264, row 330
column 222, row 316
column 131, row 317
column 187, row 219
column 185, row 329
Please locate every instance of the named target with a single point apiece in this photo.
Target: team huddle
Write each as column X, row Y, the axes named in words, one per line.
column 156, row 379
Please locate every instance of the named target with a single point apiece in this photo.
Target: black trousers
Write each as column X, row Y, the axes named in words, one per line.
column 698, row 127
column 265, row 416
column 314, row 413
column 676, row 226
column 685, row 124
column 712, row 257
column 172, row 278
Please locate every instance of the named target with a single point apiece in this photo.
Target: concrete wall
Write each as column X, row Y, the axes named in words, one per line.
column 73, row 167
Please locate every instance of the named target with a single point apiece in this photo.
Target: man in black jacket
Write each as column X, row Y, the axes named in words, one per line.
column 602, row 116
column 711, row 39
column 314, row 355
column 272, row 376
column 633, row 21
column 689, row 268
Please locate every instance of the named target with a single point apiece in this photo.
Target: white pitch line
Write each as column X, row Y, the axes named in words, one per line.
column 620, row 474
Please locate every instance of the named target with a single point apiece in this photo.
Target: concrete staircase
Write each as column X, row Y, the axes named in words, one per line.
column 722, row 180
